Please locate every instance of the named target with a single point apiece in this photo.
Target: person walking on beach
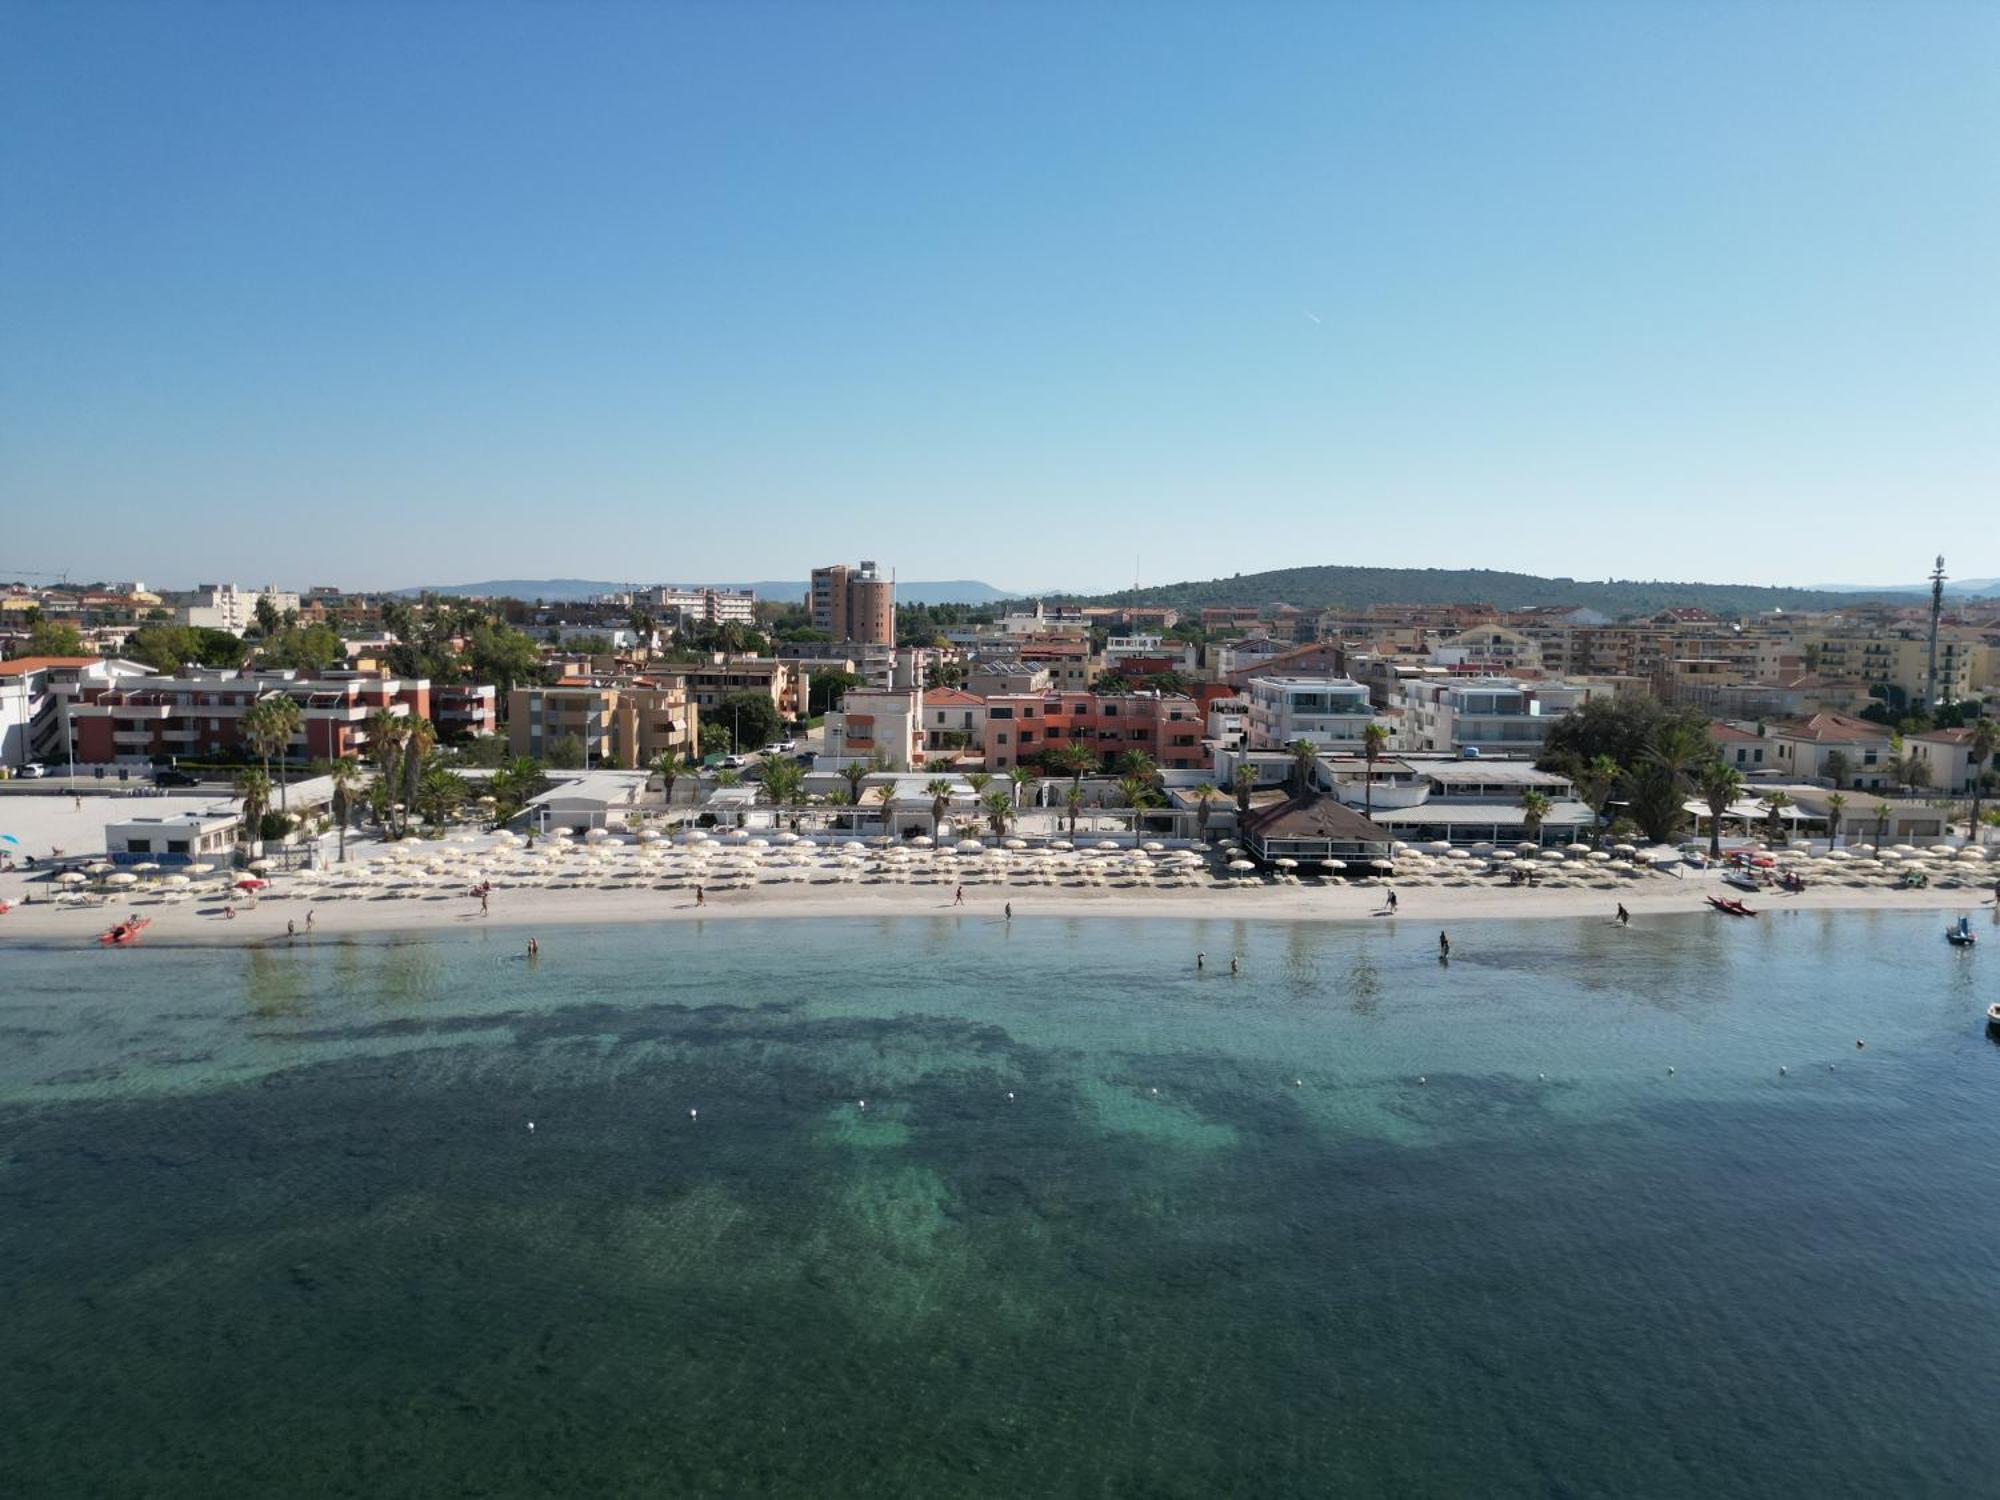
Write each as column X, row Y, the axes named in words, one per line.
column 1624, row 916
column 309, row 923
column 958, row 898
column 700, row 896
column 291, row 930
column 1444, row 947
column 1392, row 903
column 484, row 910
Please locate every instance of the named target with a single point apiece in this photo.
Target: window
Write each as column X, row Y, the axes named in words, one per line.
column 139, row 846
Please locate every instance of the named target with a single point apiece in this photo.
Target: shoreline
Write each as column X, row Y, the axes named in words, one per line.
column 200, row 924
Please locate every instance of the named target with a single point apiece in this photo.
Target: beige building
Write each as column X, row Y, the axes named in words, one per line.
column 872, row 723
column 787, row 683
column 621, row 722
column 854, row 604
column 1900, row 658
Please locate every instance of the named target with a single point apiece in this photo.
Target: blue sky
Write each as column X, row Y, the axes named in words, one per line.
column 380, row 294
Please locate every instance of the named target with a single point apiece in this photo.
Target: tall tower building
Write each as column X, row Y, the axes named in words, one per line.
column 854, row 604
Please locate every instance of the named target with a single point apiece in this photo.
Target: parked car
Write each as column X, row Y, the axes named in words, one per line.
column 781, row 747
column 33, row 769
column 735, row 762
column 172, row 776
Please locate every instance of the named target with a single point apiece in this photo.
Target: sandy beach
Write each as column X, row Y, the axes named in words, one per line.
column 201, row 920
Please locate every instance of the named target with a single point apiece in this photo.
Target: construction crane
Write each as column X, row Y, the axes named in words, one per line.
column 61, row 579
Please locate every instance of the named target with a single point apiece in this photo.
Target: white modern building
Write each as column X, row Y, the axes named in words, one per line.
column 1480, row 715
column 1331, row 712
column 224, row 606
column 1461, row 801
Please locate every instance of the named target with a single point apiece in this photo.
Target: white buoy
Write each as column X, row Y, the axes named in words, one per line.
column 1859, row 1043
column 694, row 1114
column 531, row 1127
column 1670, row 1072
column 1783, row 1070
column 1152, row 1091
column 1543, row 1076
column 1423, row 1080
column 1010, row 1095
column 1298, row 1083
column 863, row 1103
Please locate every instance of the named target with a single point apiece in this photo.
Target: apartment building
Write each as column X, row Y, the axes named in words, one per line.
column 1802, row 748
column 1170, row 728
column 953, row 719
column 703, row 605
column 1480, row 715
column 626, row 722
column 200, row 712
column 787, row 683
column 33, row 693
column 853, row 603
column 1330, row 712
column 1946, row 756
column 1492, row 648
column 464, row 710
column 1899, row 658
column 225, row 606
column 876, row 725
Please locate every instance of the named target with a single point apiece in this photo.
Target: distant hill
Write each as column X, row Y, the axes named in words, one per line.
column 1332, row 587
column 946, row 591
column 1955, row 588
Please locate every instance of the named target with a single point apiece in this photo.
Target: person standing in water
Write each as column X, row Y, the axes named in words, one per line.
column 1624, row 916
column 1010, row 911
column 534, row 947
column 1444, row 946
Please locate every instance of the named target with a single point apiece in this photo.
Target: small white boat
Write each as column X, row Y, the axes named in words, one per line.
column 1993, row 1017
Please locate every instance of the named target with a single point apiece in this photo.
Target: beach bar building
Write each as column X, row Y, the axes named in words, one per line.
column 179, row 839
column 1315, row 829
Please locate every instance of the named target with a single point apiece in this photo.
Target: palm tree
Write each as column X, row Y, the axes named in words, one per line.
column 269, row 725
column 1979, row 749
column 1022, row 778
column 999, row 811
column 1882, row 812
column 1244, row 781
column 782, row 780
column 668, row 765
column 1721, row 785
column 419, row 735
column 1073, row 800
column 1137, row 794
column 1073, row 760
column 1374, row 740
column 1204, row 805
column 346, row 774
column 1305, row 758
column 940, row 790
column 1138, row 764
column 386, row 730
column 882, row 796
column 1594, row 783
column 1534, row 807
column 1775, row 804
column 979, row 781
column 254, row 787
column 855, row 772
column 1834, row 806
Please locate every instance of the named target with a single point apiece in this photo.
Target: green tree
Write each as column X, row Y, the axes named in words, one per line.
column 1883, row 812
column 440, row 793
column 854, row 772
column 419, row 736
column 254, row 787
column 1073, row 760
column 1595, row 781
column 1073, row 802
column 1304, row 756
column 269, row 725
column 1137, row 794
column 49, row 638
column 503, row 656
column 1916, row 772
column 1204, row 808
column 1775, row 804
column 939, row 788
column 668, row 766
column 1020, row 779
column 346, row 774
column 999, row 811
column 1979, row 748
column 782, row 780
column 714, row 739
column 1835, row 805
column 1838, row 767
column 1243, row 781
column 1534, row 807
column 827, row 688
column 1721, row 785
column 565, row 753
column 266, row 613
column 750, row 717
column 1374, row 740
column 516, row 784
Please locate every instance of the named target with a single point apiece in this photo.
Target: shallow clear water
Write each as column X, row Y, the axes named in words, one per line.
column 273, row 1222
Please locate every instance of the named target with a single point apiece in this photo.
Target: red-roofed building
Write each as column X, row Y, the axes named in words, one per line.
column 953, row 719
column 33, row 691
column 1802, row 747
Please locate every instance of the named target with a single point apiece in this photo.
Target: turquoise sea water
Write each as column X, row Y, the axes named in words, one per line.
column 272, row 1221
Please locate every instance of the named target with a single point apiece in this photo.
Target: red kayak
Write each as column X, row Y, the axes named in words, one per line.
column 125, row 932
column 1734, row 908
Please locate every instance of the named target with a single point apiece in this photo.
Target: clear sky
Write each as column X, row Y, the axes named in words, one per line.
column 381, row 294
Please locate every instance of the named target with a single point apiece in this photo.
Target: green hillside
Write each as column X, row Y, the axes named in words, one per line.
column 1355, row 588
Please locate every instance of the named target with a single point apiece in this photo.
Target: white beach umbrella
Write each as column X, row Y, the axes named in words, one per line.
column 178, row 882
column 121, row 879
column 1333, row 864
column 70, row 877
column 1241, row 866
